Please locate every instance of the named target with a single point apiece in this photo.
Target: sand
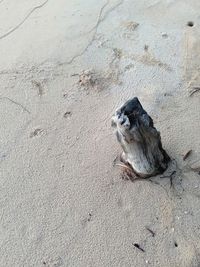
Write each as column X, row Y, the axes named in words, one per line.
column 65, row 67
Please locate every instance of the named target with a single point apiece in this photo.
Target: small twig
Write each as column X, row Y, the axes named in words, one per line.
column 138, row 247
column 196, row 89
column 169, row 176
column 152, row 232
column 187, row 154
column 195, row 169
column 115, row 160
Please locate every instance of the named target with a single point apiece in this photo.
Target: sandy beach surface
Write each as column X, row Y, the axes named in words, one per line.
column 65, row 67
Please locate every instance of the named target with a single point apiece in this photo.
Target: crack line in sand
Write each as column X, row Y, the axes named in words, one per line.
column 93, row 37
column 99, row 17
column 95, row 28
column 98, row 21
column 16, row 103
column 22, row 22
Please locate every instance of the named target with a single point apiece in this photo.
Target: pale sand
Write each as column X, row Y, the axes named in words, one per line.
column 62, row 203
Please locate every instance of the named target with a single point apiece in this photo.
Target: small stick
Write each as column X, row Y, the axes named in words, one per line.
column 115, row 160
column 196, row 89
column 152, row 232
column 138, row 247
column 169, row 176
column 187, row 154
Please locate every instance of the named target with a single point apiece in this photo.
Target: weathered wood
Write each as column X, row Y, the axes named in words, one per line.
column 139, row 139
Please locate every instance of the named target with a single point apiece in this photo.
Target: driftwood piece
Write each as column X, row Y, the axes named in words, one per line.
column 139, row 139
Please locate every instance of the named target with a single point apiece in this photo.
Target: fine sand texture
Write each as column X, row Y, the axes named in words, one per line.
column 66, row 66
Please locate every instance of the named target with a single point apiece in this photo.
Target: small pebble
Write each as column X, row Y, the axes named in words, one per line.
column 164, row 35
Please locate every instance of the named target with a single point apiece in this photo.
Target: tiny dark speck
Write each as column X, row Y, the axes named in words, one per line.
column 190, row 23
column 90, row 216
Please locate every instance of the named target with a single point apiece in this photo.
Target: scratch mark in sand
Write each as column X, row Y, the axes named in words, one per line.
column 16, row 103
column 22, row 22
column 95, row 28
